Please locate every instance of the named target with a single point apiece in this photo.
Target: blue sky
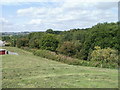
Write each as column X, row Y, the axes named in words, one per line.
column 62, row 15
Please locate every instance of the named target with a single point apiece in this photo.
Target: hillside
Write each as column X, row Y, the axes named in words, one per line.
column 28, row 71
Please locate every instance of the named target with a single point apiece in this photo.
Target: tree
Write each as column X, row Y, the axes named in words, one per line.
column 5, row 38
column 69, row 48
column 49, row 42
column 22, row 42
column 34, row 43
column 50, row 31
column 34, row 39
column 67, row 36
column 13, row 42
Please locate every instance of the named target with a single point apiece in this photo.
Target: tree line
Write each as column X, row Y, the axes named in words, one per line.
column 99, row 43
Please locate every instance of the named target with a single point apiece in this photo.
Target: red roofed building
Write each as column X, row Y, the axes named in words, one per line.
column 3, row 51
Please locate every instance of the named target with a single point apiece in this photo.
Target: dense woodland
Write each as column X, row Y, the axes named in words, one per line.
column 98, row 44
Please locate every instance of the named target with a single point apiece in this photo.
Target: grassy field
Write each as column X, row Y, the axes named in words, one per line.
column 28, row 71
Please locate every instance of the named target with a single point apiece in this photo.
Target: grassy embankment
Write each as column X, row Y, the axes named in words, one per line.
column 28, row 71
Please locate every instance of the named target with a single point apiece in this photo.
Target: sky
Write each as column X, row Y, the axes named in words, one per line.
column 20, row 16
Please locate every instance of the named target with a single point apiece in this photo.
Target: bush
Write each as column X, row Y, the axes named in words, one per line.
column 57, row 57
column 28, row 49
column 71, row 61
column 105, row 55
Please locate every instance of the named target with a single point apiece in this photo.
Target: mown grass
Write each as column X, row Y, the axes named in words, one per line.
column 28, row 71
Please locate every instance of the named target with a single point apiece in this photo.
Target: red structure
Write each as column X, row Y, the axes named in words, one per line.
column 2, row 51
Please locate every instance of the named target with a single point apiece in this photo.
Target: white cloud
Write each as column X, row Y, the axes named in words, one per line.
column 25, row 11
column 67, row 11
column 35, row 21
column 3, row 20
column 19, row 1
column 67, row 15
column 106, row 5
column 32, row 11
column 5, row 25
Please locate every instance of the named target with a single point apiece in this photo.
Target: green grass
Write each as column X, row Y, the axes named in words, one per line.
column 28, row 71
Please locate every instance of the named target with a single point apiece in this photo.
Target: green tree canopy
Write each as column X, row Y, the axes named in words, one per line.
column 50, row 31
column 49, row 42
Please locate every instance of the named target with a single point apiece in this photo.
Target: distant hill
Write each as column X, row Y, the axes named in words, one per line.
column 13, row 33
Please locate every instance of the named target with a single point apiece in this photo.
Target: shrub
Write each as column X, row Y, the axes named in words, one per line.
column 28, row 49
column 71, row 61
column 57, row 57
column 106, row 55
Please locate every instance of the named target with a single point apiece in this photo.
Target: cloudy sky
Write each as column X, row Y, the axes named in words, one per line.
column 57, row 15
